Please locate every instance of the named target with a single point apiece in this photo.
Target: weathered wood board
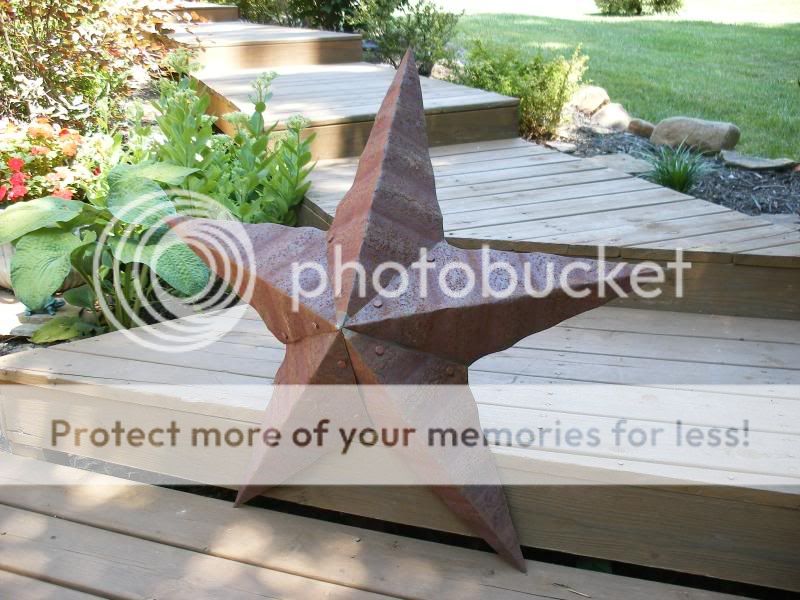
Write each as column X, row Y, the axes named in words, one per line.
column 688, row 514
column 234, row 45
column 341, row 101
column 125, row 540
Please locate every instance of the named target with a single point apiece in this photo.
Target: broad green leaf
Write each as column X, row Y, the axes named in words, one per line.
column 170, row 258
column 162, row 172
column 40, row 264
column 82, row 297
column 181, row 268
column 64, row 328
column 137, row 201
column 24, row 217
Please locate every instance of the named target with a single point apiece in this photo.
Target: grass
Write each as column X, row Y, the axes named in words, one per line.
column 748, row 74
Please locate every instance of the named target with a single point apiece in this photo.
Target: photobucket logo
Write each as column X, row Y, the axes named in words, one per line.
column 493, row 278
column 144, row 274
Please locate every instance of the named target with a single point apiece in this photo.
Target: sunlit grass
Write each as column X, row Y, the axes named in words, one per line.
column 746, row 74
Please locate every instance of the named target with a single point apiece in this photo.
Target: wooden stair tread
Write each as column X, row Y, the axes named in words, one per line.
column 147, row 536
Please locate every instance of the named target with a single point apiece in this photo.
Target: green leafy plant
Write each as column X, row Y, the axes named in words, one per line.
column 676, row 168
column 396, row 26
column 638, row 7
column 259, row 174
column 543, row 85
column 110, row 243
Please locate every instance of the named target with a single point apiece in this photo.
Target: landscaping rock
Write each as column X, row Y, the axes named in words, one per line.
column 565, row 147
column 621, row 162
column 589, row 99
column 641, row 128
column 755, row 163
column 706, row 136
column 612, row 117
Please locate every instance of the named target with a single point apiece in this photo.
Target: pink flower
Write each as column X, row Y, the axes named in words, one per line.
column 16, row 164
column 64, row 193
column 3, row 192
column 17, row 192
column 39, row 150
column 17, row 179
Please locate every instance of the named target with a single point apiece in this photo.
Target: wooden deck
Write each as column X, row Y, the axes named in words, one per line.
column 204, row 11
column 341, row 102
column 689, row 514
column 98, row 536
column 235, row 45
column 516, row 195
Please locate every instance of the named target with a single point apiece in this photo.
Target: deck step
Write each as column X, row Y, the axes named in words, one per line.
column 200, row 11
column 92, row 531
column 520, row 196
column 341, row 102
column 235, row 45
column 678, row 508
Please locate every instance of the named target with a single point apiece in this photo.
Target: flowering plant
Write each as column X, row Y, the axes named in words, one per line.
column 42, row 158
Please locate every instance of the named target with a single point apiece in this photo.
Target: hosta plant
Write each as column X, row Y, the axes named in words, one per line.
column 117, row 244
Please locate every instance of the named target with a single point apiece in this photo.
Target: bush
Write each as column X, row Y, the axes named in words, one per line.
column 332, row 15
column 65, row 59
column 543, row 85
column 396, row 26
column 638, row 7
column 676, row 168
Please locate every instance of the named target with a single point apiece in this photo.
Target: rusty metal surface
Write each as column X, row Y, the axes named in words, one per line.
column 391, row 212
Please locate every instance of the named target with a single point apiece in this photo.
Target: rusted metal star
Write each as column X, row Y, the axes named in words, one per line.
column 346, row 337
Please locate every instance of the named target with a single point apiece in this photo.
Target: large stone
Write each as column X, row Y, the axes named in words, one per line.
column 706, row 136
column 641, row 128
column 755, row 163
column 612, row 117
column 589, row 99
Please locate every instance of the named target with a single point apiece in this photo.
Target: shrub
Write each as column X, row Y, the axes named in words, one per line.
column 396, row 26
column 638, row 7
column 676, row 168
column 321, row 14
column 543, row 85
column 65, row 59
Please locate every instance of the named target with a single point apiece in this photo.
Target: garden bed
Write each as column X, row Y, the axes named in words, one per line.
column 749, row 192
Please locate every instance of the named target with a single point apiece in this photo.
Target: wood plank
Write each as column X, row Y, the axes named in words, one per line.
column 598, row 206
column 327, row 195
column 112, row 564
column 608, row 318
column 672, row 207
column 343, row 555
column 19, row 587
column 291, row 53
column 674, row 520
column 237, row 33
column 201, row 10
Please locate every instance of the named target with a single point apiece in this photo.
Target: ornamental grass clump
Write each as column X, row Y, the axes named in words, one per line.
column 676, row 168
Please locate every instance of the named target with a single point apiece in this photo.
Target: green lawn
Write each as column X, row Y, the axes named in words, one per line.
column 747, row 74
